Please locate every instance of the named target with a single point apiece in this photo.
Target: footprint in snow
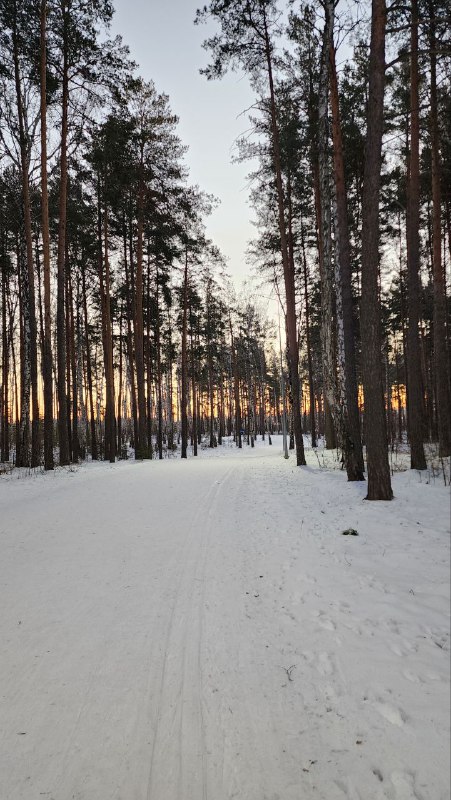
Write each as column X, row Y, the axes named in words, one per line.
column 404, row 784
column 395, row 716
column 326, row 623
column 325, row 666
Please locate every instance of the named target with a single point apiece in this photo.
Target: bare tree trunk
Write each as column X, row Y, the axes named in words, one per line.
column 331, row 401
column 119, row 394
column 159, row 377
column 68, row 351
column 110, row 422
column 23, row 443
column 63, row 435
column 142, row 446
column 92, row 417
column 184, row 387
column 415, row 392
column 130, row 357
column 73, row 366
column 345, row 327
column 193, row 392
column 292, row 339
column 440, row 349
column 29, row 298
column 307, row 341
column 5, row 358
column 236, row 377
column 148, row 357
column 379, row 483
column 47, row 360
column 82, row 429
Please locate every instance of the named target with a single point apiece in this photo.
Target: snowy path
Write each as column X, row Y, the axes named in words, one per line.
column 202, row 631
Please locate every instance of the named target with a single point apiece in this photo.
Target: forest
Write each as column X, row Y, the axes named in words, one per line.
column 122, row 334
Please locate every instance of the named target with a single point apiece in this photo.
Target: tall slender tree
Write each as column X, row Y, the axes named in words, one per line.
column 379, row 483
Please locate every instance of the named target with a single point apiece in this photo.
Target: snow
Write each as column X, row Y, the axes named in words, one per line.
column 202, row 630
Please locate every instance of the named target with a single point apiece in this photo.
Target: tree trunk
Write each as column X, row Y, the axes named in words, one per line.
column 346, row 345
column 110, row 422
column 47, row 368
column 29, row 298
column 159, row 377
column 415, row 393
column 307, row 342
column 142, row 450
column 184, row 387
column 23, row 448
column 379, row 483
column 130, row 357
column 92, row 418
column 194, row 393
column 119, row 396
column 440, row 349
column 331, row 401
column 292, row 339
column 5, row 358
column 60, row 321
column 73, row 366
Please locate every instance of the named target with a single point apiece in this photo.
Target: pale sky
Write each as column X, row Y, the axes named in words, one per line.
column 168, row 48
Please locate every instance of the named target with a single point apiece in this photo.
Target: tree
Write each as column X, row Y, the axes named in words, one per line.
column 245, row 40
column 48, row 358
column 379, row 483
column 440, row 349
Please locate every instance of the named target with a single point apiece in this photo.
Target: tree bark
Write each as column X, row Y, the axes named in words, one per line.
column 92, row 419
column 346, row 345
column 5, row 358
column 292, row 339
column 30, row 341
column 142, row 450
column 415, row 391
column 379, row 483
column 47, row 359
column 110, row 421
column 63, row 434
column 440, row 349
column 184, row 387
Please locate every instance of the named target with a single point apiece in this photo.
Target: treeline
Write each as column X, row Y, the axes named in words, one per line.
column 119, row 328
column 115, row 317
column 352, row 196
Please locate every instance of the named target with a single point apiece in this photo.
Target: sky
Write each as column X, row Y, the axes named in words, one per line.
column 168, row 49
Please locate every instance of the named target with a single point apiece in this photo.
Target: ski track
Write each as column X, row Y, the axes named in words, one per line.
column 201, row 631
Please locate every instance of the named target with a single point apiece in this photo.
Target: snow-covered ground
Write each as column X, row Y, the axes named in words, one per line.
column 202, row 630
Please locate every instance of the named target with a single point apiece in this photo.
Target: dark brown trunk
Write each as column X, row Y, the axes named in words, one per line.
column 119, row 396
column 184, row 382
column 159, row 376
column 110, row 422
column 68, row 370
column 379, row 483
column 63, row 435
column 194, row 395
column 31, row 341
column 236, row 377
column 130, row 356
column 5, row 359
column 142, row 445
column 73, row 366
column 92, row 419
column 440, row 345
column 47, row 367
column 415, row 393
